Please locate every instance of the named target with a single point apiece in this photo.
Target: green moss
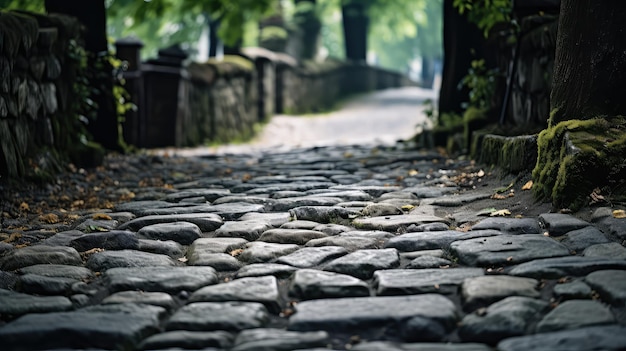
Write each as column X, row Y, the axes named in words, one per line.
column 231, row 63
column 273, row 32
column 578, row 156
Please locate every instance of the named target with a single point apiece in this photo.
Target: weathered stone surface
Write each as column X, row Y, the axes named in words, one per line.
column 428, row 227
column 278, row 340
column 374, row 234
column 45, row 285
column 252, row 289
column 410, row 255
column 299, row 224
column 211, row 316
column 160, row 279
column 332, row 229
column 363, row 263
column 259, row 252
column 504, row 319
column 210, row 194
column 181, row 232
column 381, row 209
column 234, row 210
column 160, row 299
column 41, row 254
column 220, row 261
column 574, row 314
column 426, row 261
column 205, row 246
column 572, row 290
column 580, row 239
column 113, row 240
column 169, row 248
column 310, row 284
column 192, row 340
column 610, row 284
column 274, row 219
column 482, row 291
column 506, row 249
column 62, row 238
column 350, row 243
column 101, row 261
column 421, row 281
column 16, row 304
column 286, row 204
column 609, row 250
column 322, row 214
column 312, row 256
column 207, row 222
column 558, row 224
column 510, row 225
column 261, row 269
column 552, row 268
column 591, row 338
column 434, row 240
column 347, row 195
column 372, row 190
column 393, row 223
column 290, row 236
column 368, row 312
column 107, row 326
column 459, row 200
column 249, row 230
column 58, row 270
column 420, row 346
column 93, row 225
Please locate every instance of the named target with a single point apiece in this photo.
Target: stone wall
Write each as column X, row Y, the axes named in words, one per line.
column 41, row 64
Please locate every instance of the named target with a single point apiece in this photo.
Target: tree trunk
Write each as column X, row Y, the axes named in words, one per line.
column 92, row 15
column 355, row 27
column 462, row 43
column 590, row 62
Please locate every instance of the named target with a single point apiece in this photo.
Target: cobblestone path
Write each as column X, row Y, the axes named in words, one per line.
column 326, row 248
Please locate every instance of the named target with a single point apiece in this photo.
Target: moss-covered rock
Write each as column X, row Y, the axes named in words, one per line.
column 513, row 154
column 577, row 156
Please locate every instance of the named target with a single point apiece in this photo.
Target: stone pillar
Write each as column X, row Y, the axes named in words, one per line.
column 133, row 127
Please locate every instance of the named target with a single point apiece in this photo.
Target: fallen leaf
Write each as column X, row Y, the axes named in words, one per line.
column 49, row 218
column 183, row 259
column 528, row 185
column 102, row 216
column 12, row 237
column 500, row 213
column 236, row 253
column 24, row 207
column 503, row 189
column 408, row 207
column 619, row 214
column 486, row 211
column 480, row 173
column 413, row 172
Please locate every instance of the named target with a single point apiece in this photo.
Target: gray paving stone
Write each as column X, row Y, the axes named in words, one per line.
column 192, row 340
column 58, row 270
column 134, row 206
column 220, row 261
column 205, row 246
column 260, row 252
column 482, row 291
column 308, row 284
column 574, row 314
column 421, row 281
column 426, row 261
column 106, row 327
column 286, row 204
column 609, row 250
column 280, row 271
column 207, row 222
column 419, row 346
column 259, row 200
column 381, row 209
column 610, row 284
column 312, row 256
column 363, row 263
column 234, row 210
column 113, row 240
column 615, row 227
column 510, row 225
column 323, row 214
column 274, row 219
column 169, row 248
column 209, row 194
column 94, row 225
column 61, row 238
column 332, row 229
column 181, row 232
column 350, row 243
column 605, row 338
column 45, row 285
column 506, row 249
column 253, row 289
column 393, row 223
column 17, row 304
column 346, row 195
column 554, row 268
column 212, row 316
column 361, row 313
column 572, row 290
column 160, row 279
column 375, row 234
column 160, row 299
column 579, row 239
column 434, row 240
column 459, row 200
column 290, row 236
column 507, row 318
column 428, row 227
column 187, row 207
column 372, row 190
column 101, row 261
column 300, row 224
column 558, row 224
column 249, row 230
column 278, row 340
column 410, row 255
column 40, row 254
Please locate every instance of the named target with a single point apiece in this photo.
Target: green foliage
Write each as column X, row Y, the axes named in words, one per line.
column 485, row 13
column 273, row 32
column 25, row 5
column 482, row 84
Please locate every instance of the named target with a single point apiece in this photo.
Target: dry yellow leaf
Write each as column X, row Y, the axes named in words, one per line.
column 24, row 207
column 501, row 213
column 236, row 253
column 12, row 237
column 408, row 207
column 49, row 218
column 183, row 259
column 413, row 172
column 102, row 216
column 528, row 185
column 619, row 214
